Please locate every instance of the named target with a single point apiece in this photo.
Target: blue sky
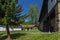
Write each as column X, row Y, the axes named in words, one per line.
column 26, row 4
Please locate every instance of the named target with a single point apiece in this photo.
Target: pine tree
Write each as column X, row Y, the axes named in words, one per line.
column 7, row 10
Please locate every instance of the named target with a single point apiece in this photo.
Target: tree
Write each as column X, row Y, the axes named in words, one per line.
column 8, row 9
column 34, row 14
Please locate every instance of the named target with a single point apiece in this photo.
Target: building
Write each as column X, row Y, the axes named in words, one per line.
column 49, row 19
column 3, row 28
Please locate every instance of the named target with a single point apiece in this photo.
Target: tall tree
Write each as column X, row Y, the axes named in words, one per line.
column 34, row 13
column 8, row 9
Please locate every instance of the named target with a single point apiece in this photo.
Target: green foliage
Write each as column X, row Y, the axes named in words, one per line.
column 34, row 14
column 8, row 9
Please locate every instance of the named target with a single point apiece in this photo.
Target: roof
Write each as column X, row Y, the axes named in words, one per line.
column 28, row 25
column 46, row 8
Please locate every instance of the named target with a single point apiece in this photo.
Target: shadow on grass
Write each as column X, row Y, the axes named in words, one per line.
column 13, row 36
column 1, row 34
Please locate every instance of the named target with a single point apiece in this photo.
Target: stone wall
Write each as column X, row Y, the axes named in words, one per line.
column 58, row 17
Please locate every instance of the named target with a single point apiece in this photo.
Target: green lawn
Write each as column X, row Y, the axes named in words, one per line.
column 31, row 35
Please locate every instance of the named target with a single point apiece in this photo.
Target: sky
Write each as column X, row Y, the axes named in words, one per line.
column 26, row 4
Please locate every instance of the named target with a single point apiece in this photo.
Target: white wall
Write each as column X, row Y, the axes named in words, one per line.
column 14, row 29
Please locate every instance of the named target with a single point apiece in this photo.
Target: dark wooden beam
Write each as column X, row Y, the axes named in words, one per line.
column 44, row 10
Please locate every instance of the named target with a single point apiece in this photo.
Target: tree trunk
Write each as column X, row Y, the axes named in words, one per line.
column 8, row 33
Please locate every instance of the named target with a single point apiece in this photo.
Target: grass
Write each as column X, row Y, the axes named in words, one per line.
column 31, row 35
